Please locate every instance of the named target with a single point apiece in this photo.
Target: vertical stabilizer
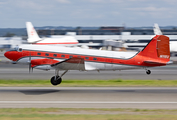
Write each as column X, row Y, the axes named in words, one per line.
column 157, row 30
column 32, row 34
column 158, row 49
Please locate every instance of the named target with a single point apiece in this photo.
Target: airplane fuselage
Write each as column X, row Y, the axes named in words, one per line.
column 94, row 59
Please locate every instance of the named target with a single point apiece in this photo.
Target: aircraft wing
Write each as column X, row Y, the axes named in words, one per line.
column 73, row 63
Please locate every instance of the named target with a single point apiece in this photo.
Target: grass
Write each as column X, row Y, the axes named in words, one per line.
column 93, row 83
column 85, row 114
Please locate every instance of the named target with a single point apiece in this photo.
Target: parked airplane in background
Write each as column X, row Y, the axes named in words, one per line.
column 173, row 44
column 157, row 30
column 35, row 39
column 156, row 53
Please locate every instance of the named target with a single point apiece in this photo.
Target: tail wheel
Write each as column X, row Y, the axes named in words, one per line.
column 55, row 80
column 148, row 72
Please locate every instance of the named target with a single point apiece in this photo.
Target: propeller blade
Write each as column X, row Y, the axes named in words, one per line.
column 30, row 63
column 29, row 67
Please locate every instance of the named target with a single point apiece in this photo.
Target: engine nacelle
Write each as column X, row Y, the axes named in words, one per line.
column 43, row 67
column 43, row 64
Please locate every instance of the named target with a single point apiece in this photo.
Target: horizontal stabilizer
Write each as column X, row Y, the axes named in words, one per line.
column 154, row 63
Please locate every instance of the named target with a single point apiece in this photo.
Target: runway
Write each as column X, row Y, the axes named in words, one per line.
column 89, row 97
column 11, row 71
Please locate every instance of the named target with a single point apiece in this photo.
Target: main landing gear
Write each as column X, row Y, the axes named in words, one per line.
column 55, row 80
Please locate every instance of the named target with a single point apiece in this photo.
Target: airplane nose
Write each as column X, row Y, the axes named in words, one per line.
column 7, row 55
column 13, row 55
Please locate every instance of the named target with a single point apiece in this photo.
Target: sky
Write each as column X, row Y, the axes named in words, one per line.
column 90, row 13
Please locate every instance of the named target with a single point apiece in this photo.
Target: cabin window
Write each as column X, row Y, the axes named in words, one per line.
column 70, row 56
column 46, row 54
column 94, row 58
column 55, row 55
column 38, row 53
column 86, row 58
column 20, row 49
column 62, row 55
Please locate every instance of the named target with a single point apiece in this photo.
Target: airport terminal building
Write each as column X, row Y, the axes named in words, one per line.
column 133, row 38
column 97, row 37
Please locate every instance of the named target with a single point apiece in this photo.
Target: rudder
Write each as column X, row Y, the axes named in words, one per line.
column 157, row 48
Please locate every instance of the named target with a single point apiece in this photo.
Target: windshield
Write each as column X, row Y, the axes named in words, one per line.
column 16, row 49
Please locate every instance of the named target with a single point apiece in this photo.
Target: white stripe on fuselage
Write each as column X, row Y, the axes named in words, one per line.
column 79, row 51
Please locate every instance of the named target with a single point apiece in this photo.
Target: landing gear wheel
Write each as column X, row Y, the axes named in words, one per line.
column 148, row 72
column 56, row 81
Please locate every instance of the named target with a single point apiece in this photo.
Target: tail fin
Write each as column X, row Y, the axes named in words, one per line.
column 157, row 30
column 157, row 51
column 32, row 34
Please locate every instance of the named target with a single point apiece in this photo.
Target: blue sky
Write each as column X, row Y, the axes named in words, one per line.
column 132, row 13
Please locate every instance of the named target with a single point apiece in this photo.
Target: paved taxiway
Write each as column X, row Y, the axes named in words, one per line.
column 89, row 97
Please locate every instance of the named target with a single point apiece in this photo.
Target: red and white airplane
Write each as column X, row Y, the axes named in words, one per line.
column 35, row 39
column 156, row 53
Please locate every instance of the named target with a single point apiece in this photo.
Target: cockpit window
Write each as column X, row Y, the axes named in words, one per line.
column 20, row 49
column 16, row 49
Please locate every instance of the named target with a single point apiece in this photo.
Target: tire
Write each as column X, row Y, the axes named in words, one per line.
column 148, row 72
column 57, row 81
